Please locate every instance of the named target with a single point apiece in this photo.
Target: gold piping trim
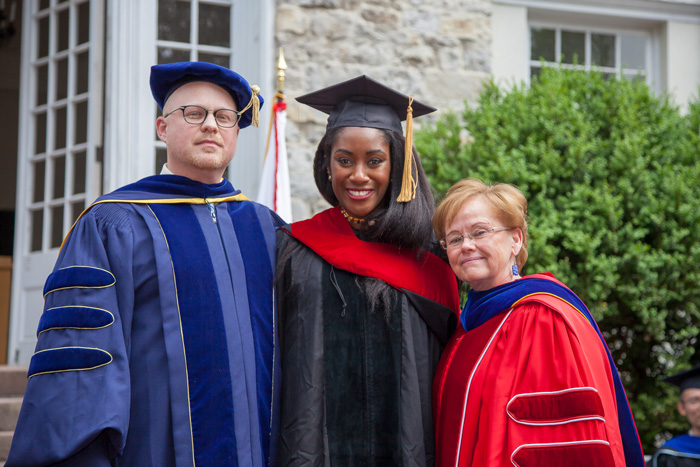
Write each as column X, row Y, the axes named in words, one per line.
column 75, row 327
column 238, row 197
column 111, row 359
column 83, row 286
column 551, row 295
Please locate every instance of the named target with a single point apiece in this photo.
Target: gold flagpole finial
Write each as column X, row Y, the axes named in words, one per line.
column 281, row 66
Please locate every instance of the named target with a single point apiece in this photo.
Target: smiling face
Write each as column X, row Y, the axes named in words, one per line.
column 199, row 152
column 689, row 407
column 360, row 170
column 487, row 262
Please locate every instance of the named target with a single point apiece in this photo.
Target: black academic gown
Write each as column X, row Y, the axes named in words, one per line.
column 357, row 382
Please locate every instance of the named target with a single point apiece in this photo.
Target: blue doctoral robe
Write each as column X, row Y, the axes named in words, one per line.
column 684, row 443
column 158, row 342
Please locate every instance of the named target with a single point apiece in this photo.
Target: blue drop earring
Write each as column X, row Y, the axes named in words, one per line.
column 515, row 269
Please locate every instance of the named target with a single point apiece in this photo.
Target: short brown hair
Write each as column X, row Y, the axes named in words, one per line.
column 507, row 199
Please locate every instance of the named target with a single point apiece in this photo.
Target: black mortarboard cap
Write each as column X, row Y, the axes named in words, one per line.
column 364, row 102
column 165, row 79
column 686, row 379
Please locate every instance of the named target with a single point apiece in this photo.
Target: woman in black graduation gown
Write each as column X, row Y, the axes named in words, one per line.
column 365, row 309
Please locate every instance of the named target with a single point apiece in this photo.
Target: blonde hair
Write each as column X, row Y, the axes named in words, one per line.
column 507, row 199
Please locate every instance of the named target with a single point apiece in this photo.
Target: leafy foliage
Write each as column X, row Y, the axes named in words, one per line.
column 611, row 172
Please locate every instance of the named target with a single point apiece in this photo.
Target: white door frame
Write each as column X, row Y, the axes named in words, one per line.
column 32, row 267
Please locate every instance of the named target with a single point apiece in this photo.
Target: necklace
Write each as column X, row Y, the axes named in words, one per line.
column 351, row 218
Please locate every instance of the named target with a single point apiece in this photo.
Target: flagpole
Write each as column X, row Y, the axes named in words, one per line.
column 281, row 66
column 274, row 190
column 279, row 96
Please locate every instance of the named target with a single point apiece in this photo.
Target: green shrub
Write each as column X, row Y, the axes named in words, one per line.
column 611, row 172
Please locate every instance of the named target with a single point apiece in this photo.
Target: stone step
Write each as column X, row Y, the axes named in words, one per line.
column 13, row 380
column 5, row 442
column 9, row 412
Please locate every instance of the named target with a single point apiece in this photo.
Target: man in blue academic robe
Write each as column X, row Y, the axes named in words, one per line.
column 684, row 450
column 158, row 341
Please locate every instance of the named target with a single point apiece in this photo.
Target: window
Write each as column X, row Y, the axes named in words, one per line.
column 611, row 52
column 192, row 30
column 65, row 107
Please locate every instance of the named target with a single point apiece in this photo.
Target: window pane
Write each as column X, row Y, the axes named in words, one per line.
column 170, row 55
column 43, row 43
column 542, row 45
column 56, row 226
column 44, row 4
column 59, row 176
column 61, row 79
column 37, row 227
column 81, row 80
column 79, row 168
column 603, row 50
column 573, row 47
column 42, row 84
column 214, row 25
column 60, row 128
column 81, row 122
column 161, row 158
column 39, row 171
column 633, row 51
column 76, row 209
column 62, row 30
column 83, row 22
column 635, row 76
column 40, row 133
column 174, row 20
column 222, row 60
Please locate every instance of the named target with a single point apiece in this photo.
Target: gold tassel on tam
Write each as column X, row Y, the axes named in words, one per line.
column 408, row 183
column 255, row 103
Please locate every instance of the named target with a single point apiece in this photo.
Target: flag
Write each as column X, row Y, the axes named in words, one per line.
column 274, row 189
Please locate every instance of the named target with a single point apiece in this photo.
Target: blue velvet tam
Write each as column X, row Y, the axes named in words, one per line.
column 165, row 79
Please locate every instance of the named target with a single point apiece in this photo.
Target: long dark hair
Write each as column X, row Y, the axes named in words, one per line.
column 406, row 225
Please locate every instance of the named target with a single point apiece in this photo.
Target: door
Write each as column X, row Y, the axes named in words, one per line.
column 60, row 135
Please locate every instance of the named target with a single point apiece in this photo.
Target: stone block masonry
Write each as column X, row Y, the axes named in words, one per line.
column 435, row 50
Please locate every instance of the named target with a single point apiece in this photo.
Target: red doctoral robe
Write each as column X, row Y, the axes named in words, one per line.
column 531, row 386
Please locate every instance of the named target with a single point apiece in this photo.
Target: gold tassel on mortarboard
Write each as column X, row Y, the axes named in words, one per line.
column 255, row 103
column 408, row 183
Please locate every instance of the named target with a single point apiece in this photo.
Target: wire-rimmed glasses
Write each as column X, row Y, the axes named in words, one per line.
column 454, row 241
column 196, row 115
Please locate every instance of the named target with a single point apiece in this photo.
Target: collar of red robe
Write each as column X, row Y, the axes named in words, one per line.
column 329, row 235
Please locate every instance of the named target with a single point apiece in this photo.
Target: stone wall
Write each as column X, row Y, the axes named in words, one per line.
column 438, row 51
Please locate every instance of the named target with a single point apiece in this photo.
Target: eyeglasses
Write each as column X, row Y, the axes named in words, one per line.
column 196, row 115
column 454, row 241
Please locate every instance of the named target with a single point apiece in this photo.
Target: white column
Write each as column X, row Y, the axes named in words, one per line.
column 129, row 154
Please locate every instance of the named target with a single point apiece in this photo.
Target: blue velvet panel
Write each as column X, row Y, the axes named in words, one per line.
column 205, row 339
column 67, row 359
column 78, row 276
column 258, row 270
column 77, row 317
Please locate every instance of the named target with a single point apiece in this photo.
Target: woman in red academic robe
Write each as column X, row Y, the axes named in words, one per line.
column 527, row 379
